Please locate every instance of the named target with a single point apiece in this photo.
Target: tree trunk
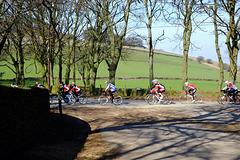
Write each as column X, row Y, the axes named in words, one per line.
column 68, row 70
column 60, row 61
column 186, row 41
column 44, row 74
column 21, row 57
column 88, row 77
column 115, row 39
column 220, row 61
column 93, row 80
column 112, row 74
column 52, row 57
column 151, row 53
column 74, row 63
column 232, row 41
column 22, row 78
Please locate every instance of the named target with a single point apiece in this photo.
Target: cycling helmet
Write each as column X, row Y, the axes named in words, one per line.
column 186, row 83
column 106, row 82
column 227, row 82
column 155, row 80
column 37, row 83
column 61, row 83
column 73, row 83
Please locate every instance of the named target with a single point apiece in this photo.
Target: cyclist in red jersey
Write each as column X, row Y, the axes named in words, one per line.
column 231, row 88
column 75, row 89
column 191, row 89
column 64, row 88
column 158, row 88
column 39, row 85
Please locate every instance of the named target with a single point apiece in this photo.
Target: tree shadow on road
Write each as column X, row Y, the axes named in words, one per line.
column 204, row 136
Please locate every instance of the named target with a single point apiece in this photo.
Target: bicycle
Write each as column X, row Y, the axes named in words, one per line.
column 187, row 98
column 153, row 98
column 81, row 98
column 103, row 99
column 226, row 97
column 65, row 99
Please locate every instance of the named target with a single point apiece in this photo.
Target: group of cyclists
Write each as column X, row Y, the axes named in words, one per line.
column 192, row 89
column 65, row 89
column 158, row 89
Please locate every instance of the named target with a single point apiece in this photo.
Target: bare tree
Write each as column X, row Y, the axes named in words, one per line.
column 94, row 38
column 226, row 21
column 152, row 11
column 77, row 30
column 220, row 61
column 14, row 47
column 115, row 17
column 184, row 13
column 231, row 31
column 9, row 13
column 38, row 33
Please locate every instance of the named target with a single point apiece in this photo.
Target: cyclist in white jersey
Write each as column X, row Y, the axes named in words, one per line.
column 112, row 89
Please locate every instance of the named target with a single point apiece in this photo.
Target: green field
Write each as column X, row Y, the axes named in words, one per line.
column 136, row 65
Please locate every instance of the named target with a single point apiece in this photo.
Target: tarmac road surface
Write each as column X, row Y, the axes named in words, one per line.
column 176, row 140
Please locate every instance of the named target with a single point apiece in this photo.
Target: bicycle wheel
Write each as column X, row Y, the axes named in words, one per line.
column 167, row 99
column 71, row 99
column 184, row 99
column 224, row 99
column 146, row 97
column 237, row 100
column 163, row 100
column 53, row 99
column 219, row 98
column 83, row 99
column 102, row 100
column 198, row 98
column 117, row 100
column 152, row 99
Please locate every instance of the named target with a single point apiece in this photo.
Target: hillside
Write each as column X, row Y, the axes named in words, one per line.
column 141, row 49
column 166, row 65
column 133, row 70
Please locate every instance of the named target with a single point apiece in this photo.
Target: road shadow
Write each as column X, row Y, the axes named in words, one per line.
column 63, row 140
column 188, row 138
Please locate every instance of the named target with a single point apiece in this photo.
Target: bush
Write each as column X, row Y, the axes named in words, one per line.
column 209, row 61
column 200, row 59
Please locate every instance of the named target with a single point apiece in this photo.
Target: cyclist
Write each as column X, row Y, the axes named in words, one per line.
column 158, row 88
column 13, row 85
column 191, row 89
column 112, row 89
column 39, row 85
column 75, row 89
column 65, row 89
column 231, row 89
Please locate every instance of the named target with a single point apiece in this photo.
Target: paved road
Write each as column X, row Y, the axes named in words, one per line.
column 179, row 140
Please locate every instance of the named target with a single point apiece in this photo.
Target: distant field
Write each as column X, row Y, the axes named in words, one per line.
column 135, row 64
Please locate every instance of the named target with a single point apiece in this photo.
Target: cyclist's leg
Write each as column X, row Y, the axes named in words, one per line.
column 157, row 92
column 234, row 95
column 161, row 93
column 193, row 95
column 111, row 95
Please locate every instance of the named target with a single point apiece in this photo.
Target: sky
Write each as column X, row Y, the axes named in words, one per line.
column 203, row 40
